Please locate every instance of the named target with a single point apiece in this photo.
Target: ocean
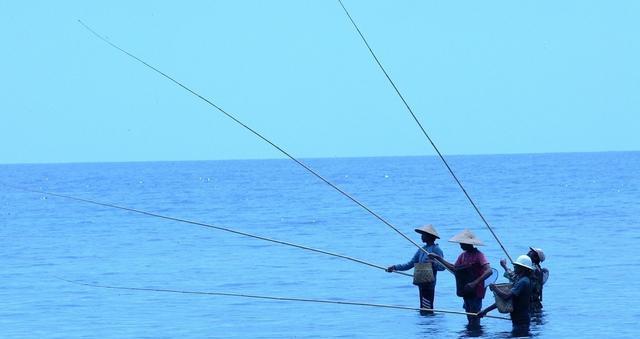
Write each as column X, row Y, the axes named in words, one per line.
column 583, row 209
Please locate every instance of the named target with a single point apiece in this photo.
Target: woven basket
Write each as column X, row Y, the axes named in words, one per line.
column 423, row 273
column 504, row 306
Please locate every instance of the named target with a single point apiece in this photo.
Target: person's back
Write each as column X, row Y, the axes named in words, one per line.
column 538, row 278
column 521, row 299
column 536, row 289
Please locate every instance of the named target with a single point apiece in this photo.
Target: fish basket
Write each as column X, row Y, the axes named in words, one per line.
column 423, row 273
column 504, row 306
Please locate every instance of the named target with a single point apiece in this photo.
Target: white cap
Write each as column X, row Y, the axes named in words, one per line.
column 524, row 261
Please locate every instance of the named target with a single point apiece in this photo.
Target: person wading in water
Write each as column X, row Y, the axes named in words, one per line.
column 470, row 270
column 538, row 277
column 425, row 268
column 520, row 295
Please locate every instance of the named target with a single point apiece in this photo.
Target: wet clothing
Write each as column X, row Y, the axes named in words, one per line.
column 521, row 299
column 427, row 296
column 475, row 261
column 536, row 279
column 472, row 305
column 520, row 330
column 427, row 290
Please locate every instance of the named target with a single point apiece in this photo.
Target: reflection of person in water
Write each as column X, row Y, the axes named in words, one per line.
column 471, row 269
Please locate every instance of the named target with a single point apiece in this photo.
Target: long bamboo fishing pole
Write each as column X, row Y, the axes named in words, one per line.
column 415, row 118
column 210, row 226
column 256, row 133
column 277, row 298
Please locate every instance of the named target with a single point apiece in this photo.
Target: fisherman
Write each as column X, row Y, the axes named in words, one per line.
column 538, row 278
column 520, row 295
column 426, row 285
column 470, row 269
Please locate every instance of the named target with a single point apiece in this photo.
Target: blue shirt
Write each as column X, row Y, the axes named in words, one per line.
column 422, row 257
column 521, row 294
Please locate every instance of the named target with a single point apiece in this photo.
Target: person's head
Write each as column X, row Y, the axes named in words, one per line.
column 466, row 247
column 521, row 270
column 428, row 239
column 536, row 255
column 428, row 234
column 523, row 265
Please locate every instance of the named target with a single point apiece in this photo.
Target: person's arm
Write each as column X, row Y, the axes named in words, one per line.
column 407, row 266
column 508, row 273
column 487, row 310
column 436, row 265
column 441, row 260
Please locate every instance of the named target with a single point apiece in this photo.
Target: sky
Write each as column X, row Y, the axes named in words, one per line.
column 487, row 77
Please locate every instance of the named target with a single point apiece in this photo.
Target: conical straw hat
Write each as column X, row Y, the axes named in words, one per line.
column 467, row 237
column 429, row 229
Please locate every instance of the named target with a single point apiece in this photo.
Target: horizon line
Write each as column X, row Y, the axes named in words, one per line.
column 72, row 162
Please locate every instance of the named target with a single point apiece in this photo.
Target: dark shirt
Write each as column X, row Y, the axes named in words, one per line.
column 536, row 279
column 521, row 297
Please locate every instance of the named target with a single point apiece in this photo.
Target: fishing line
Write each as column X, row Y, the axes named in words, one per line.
column 225, row 229
column 264, row 297
column 317, row 175
column 415, row 118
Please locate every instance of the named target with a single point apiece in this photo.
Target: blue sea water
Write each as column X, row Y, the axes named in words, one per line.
column 583, row 209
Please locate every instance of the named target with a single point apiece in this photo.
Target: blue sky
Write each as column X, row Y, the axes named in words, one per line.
column 483, row 77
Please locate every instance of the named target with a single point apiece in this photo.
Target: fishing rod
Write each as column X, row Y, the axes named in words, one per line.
column 264, row 297
column 256, row 133
column 415, row 118
column 220, row 228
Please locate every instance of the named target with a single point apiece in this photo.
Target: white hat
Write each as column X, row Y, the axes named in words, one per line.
column 428, row 229
column 524, row 261
column 466, row 237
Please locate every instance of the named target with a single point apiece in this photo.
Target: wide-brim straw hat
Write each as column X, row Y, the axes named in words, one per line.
column 428, row 229
column 466, row 237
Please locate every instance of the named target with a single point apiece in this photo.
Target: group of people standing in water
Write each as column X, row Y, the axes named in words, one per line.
column 471, row 269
